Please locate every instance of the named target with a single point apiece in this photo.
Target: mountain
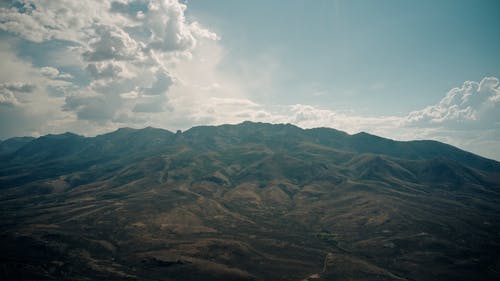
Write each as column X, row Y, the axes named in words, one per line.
column 13, row 144
column 252, row 201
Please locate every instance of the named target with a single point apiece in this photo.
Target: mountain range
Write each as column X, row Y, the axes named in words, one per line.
column 252, row 201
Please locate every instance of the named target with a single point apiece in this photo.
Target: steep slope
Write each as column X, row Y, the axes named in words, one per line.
column 252, row 201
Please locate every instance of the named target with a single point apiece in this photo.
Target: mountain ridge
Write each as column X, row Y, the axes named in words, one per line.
column 357, row 138
column 251, row 201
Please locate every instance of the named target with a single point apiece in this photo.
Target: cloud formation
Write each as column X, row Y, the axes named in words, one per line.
column 11, row 94
column 472, row 105
column 53, row 73
column 7, row 98
column 124, row 54
column 467, row 116
column 116, row 63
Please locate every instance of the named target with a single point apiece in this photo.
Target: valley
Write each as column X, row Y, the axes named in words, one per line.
column 252, row 201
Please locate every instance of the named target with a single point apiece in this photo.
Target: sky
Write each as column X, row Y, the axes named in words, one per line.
column 399, row 69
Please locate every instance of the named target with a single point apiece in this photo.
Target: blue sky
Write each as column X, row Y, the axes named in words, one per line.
column 399, row 69
column 379, row 57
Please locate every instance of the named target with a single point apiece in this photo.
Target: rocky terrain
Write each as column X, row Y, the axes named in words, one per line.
column 251, row 201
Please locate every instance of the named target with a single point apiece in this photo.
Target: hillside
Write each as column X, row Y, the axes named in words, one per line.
column 252, row 201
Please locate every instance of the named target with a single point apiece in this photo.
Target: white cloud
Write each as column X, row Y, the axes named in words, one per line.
column 15, row 93
column 224, row 110
column 42, row 20
column 49, row 71
column 28, row 106
column 111, row 43
column 169, row 29
column 104, row 70
column 122, row 57
column 468, row 117
column 474, row 105
column 54, row 73
column 18, row 87
column 7, row 98
column 142, row 62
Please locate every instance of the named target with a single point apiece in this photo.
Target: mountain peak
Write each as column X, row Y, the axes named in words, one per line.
column 218, row 202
